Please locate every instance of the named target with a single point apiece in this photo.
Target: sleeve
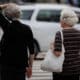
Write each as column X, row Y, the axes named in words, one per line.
column 58, row 42
column 30, row 41
column 3, row 21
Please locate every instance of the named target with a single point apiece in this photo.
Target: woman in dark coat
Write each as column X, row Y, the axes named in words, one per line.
column 71, row 41
column 17, row 38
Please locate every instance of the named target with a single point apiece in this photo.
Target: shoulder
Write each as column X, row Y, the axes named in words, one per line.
column 71, row 32
column 23, row 26
column 77, row 30
column 58, row 33
column 27, row 29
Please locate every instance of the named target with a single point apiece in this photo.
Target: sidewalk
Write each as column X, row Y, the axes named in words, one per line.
column 41, row 56
column 38, row 74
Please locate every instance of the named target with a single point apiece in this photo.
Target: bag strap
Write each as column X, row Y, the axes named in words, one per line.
column 61, row 36
column 63, row 48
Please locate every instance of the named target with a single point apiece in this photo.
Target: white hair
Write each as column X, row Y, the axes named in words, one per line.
column 12, row 11
column 69, row 17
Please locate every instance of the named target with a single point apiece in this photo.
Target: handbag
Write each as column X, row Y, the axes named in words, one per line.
column 53, row 63
column 27, row 78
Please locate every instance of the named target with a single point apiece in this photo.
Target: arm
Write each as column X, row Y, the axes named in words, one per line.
column 58, row 44
column 30, row 47
column 3, row 21
column 30, row 44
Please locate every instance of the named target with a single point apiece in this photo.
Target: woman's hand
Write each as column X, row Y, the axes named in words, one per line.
column 57, row 53
column 29, row 72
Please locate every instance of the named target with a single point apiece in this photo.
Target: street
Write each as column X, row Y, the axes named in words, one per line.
column 38, row 74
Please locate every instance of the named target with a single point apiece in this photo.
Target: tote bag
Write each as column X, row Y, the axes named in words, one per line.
column 52, row 63
column 27, row 78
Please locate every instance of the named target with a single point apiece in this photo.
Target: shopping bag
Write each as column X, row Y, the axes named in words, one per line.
column 27, row 78
column 53, row 63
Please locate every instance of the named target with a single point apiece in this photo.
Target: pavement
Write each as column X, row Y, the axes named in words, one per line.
column 38, row 74
column 41, row 55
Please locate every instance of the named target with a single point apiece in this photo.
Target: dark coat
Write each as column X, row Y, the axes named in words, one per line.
column 16, row 40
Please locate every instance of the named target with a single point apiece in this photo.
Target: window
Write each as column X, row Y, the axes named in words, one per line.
column 49, row 15
column 26, row 14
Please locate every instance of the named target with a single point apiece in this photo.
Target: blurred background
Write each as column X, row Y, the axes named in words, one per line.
column 70, row 2
column 44, row 22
